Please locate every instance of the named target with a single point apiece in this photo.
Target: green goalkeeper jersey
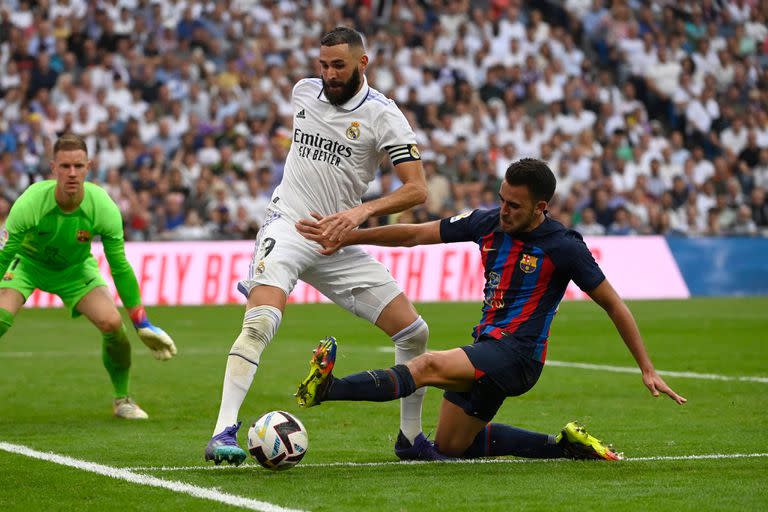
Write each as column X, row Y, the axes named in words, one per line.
column 39, row 231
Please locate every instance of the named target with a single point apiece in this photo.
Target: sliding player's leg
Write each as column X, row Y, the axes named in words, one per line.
column 354, row 280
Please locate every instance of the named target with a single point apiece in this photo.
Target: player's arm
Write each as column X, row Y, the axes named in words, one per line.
column 395, row 235
column 20, row 220
column 412, row 192
column 156, row 339
column 10, row 242
column 622, row 318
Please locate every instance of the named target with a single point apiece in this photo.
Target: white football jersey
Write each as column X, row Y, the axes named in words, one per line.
column 336, row 150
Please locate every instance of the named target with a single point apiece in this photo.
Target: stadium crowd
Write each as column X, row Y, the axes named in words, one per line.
column 653, row 115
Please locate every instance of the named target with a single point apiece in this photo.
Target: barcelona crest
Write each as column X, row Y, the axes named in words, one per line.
column 529, row 263
column 353, row 132
column 83, row 235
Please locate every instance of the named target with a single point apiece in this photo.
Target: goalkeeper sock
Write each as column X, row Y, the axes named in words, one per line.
column 499, row 439
column 373, row 385
column 6, row 321
column 116, row 355
column 259, row 326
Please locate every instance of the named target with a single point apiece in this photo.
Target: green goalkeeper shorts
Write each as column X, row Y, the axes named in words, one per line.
column 70, row 284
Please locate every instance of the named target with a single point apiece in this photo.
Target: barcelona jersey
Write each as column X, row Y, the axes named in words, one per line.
column 526, row 274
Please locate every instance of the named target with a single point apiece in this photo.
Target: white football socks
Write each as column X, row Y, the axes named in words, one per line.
column 409, row 343
column 259, row 326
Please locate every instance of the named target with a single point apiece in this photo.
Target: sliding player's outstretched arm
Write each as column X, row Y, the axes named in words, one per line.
column 395, row 235
column 622, row 318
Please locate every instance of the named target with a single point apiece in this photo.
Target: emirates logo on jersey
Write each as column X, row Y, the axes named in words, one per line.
column 319, row 148
column 83, row 235
column 353, row 132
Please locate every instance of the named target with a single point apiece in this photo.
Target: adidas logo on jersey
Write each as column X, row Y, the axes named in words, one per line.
column 301, row 114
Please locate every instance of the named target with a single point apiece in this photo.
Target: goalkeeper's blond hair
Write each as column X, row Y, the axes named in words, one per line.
column 69, row 142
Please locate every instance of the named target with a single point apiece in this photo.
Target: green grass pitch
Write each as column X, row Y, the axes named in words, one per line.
column 55, row 397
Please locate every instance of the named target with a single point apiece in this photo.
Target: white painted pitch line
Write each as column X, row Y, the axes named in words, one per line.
column 137, row 478
column 667, row 373
column 390, row 349
column 709, row 456
column 632, row 369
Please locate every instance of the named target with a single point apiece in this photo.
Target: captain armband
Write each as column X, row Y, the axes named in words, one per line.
column 403, row 153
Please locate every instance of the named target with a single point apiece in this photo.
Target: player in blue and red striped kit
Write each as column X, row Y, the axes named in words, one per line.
column 529, row 259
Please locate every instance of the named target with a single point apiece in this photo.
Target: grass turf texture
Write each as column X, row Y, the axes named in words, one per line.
column 56, row 397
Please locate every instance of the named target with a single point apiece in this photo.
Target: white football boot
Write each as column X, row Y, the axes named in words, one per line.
column 127, row 409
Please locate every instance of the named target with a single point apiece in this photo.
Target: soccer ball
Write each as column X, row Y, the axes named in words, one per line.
column 278, row 440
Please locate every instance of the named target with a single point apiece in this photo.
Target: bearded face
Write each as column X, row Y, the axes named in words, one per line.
column 339, row 92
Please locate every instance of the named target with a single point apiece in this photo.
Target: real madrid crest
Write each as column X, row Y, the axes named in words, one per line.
column 259, row 268
column 353, row 132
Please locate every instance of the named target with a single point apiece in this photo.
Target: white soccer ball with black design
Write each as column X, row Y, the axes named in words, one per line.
column 278, row 440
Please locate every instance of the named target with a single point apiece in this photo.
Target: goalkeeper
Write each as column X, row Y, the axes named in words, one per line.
column 46, row 244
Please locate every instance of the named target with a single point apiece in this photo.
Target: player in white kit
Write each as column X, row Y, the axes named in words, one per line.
column 342, row 129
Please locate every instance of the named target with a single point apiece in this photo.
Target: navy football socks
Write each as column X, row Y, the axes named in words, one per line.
column 373, row 385
column 499, row 439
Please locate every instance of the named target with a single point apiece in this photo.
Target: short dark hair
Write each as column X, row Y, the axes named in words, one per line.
column 69, row 142
column 343, row 35
column 534, row 174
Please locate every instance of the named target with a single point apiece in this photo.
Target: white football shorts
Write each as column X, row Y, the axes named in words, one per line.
column 350, row 277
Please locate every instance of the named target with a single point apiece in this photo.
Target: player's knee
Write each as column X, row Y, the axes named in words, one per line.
column 259, row 326
column 425, row 369
column 109, row 323
column 413, row 338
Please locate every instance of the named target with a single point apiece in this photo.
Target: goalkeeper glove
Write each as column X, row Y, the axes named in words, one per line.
column 155, row 338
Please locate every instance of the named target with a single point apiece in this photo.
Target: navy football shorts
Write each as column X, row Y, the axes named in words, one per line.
column 504, row 368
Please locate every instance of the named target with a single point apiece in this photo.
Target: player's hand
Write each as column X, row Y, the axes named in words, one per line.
column 156, row 339
column 337, row 226
column 656, row 385
column 312, row 230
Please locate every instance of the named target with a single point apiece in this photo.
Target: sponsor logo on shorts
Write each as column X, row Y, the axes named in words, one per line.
column 353, row 132
column 529, row 263
column 8, row 276
column 83, row 235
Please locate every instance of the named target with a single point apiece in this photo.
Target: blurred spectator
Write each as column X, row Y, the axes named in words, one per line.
column 588, row 226
column 744, row 224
